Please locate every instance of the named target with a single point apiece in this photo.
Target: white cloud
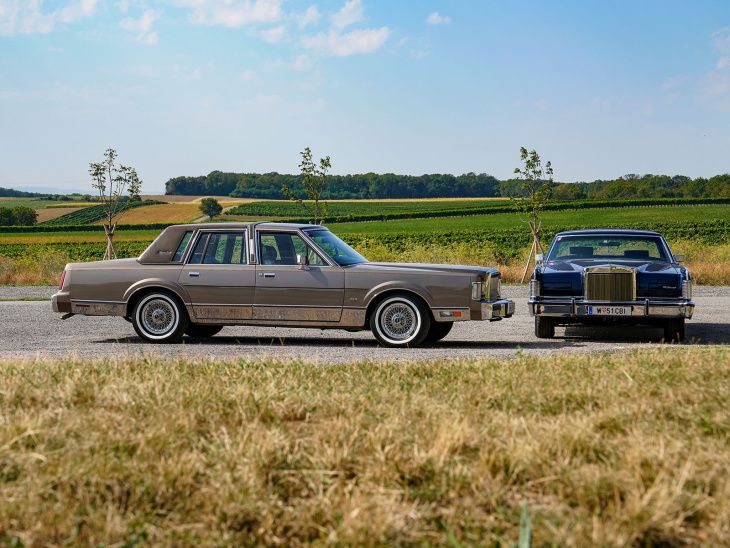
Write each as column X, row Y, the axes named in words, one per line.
column 672, row 83
column 350, row 14
column 309, row 17
column 402, row 41
column 29, row 17
column 722, row 63
column 143, row 26
column 248, row 75
column 420, row 54
column 342, row 45
column 273, row 36
column 232, row 13
column 715, row 86
column 436, row 19
column 303, row 63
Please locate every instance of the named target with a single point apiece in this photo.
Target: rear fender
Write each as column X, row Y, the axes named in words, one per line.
column 157, row 283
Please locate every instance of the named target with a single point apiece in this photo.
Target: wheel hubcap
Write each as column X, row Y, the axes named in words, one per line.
column 398, row 321
column 157, row 316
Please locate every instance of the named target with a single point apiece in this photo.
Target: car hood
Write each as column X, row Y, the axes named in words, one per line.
column 639, row 266
column 425, row 268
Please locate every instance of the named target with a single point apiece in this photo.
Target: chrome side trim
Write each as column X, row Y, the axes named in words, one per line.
column 98, row 308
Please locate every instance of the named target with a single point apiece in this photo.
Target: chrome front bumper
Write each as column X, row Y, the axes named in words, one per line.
column 497, row 310
column 578, row 308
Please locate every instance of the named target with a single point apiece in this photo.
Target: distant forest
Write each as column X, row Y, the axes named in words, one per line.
column 373, row 186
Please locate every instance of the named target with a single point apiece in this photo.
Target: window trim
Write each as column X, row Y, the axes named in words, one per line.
column 309, row 243
column 206, row 233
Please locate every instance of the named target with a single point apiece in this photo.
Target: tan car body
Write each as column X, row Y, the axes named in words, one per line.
column 324, row 295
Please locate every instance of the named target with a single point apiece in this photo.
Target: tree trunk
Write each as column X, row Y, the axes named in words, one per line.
column 110, row 252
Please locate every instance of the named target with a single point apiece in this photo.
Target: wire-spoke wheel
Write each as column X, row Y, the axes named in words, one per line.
column 159, row 318
column 400, row 320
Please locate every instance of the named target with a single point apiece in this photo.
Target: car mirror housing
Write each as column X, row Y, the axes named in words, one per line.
column 539, row 257
column 303, row 262
column 679, row 258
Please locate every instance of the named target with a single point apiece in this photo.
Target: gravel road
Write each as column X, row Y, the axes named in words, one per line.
column 30, row 328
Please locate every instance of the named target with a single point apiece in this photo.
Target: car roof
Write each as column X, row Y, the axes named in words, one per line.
column 608, row 231
column 241, row 225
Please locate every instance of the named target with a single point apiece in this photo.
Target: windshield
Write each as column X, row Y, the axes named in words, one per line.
column 340, row 252
column 608, row 246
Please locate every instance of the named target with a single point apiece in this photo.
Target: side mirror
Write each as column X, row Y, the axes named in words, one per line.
column 679, row 258
column 303, row 262
column 539, row 257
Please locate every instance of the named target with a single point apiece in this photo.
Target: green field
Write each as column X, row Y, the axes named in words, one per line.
column 587, row 217
column 35, row 203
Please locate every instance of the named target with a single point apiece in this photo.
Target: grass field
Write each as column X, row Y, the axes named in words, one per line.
column 587, row 218
column 27, row 202
column 174, row 213
column 607, row 450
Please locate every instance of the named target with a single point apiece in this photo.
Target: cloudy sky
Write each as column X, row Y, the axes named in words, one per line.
column 185, row 87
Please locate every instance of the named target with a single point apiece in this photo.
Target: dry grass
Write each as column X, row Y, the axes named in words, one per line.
column 162, row 213
column 48, row 213
column 622, row 450
column 197, row 199
column 42, row 269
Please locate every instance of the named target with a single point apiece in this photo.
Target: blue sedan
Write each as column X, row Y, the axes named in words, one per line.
column 611, row 276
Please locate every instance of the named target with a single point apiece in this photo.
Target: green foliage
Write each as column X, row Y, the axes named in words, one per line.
column 390, row 185
column 18, row 216
column 535, row 185
column 210, row 207
column 314, row 181
column 112, row 182
column 91, row 214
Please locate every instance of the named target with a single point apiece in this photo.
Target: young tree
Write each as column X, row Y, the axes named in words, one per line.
column 210, row 207
column 536, row 186
column 314, row 183
column 111, row 182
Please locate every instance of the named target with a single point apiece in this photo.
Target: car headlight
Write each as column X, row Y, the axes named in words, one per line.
column 479, row 290
column 687, row 289
column 535, row 288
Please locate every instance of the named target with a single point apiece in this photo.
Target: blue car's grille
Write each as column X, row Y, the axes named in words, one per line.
column 610, row 286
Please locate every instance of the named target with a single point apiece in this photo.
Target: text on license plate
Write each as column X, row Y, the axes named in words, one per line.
column 609, row 310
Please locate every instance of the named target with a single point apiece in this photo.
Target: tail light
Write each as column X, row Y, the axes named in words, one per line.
column 63, row 279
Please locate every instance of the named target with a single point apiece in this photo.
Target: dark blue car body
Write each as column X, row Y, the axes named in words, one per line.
column 611, row 276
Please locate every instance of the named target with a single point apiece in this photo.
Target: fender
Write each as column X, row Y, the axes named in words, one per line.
column 398, row 285
column 161, row 283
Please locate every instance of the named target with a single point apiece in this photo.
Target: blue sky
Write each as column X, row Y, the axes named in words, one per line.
column 185, row 87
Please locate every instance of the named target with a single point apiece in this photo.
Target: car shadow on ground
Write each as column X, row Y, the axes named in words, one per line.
column 339, row 342
column 711, row 334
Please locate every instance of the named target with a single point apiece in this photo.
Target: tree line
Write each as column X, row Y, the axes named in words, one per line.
column 384, row 186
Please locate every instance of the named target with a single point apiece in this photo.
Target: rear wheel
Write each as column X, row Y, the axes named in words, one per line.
column 400, row 320
column 160, row 318
column 199, row 331
column 438, row 331
column 674, row 330
column 544, row 327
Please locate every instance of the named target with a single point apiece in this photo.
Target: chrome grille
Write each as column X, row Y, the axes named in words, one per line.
column 610, row 283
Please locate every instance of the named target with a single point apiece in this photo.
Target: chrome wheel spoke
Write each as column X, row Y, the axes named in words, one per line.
column 398, row 321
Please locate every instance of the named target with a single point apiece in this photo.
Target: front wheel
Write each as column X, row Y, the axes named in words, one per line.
column 674, row 330
column 544, row 327
column 400, row 320
column 160, row 318
column 201, row 331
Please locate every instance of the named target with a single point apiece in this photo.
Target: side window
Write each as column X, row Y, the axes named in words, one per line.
column 181, row 248
column 197, row 256
column 283, row 248
column 222, row 248
column 226, row 248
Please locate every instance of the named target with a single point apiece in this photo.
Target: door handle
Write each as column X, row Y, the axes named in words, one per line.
column 194, row 274
column 268, row 274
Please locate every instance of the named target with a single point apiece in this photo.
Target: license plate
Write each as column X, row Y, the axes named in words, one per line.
column 609, row 310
